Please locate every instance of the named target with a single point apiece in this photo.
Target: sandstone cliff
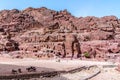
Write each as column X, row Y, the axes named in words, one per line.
column 48, row 33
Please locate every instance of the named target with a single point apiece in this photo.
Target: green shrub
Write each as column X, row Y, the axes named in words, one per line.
column 87, row 55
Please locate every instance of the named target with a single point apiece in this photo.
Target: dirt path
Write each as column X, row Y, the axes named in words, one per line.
column 47, row 65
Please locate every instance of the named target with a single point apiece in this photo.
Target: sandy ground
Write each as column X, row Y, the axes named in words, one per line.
column 50, row 64
column 7, row 64
column 107, row 74
column 72, row 76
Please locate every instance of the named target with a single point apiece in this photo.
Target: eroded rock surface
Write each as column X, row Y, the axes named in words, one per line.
column 48, row 33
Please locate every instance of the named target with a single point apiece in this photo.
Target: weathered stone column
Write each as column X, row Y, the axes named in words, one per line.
column 72, row 46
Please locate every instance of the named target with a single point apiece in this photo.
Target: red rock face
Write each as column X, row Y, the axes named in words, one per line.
column 48, row 33
column 118, row 69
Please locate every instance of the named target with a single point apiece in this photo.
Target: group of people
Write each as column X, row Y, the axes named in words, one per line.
column 29, row 69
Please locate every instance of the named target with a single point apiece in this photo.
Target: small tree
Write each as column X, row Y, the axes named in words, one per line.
column 87, row 55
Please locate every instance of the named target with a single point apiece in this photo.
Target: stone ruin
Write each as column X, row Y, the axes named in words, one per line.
column 45, row 33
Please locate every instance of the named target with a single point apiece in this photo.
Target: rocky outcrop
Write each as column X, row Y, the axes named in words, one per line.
column 50, row 33
column 118, row 69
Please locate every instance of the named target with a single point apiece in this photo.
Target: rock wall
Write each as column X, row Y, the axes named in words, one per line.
column 45, row 31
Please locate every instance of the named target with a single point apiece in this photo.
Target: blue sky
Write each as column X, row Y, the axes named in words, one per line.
column 78, row 8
